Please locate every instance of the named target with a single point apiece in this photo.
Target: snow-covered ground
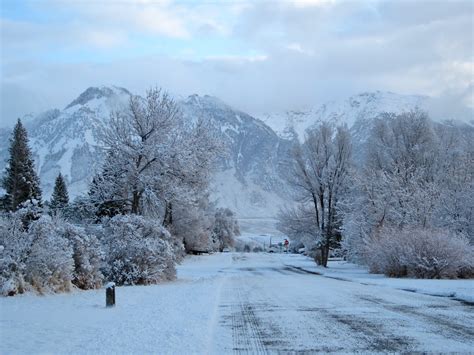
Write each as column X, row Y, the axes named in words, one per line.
column 167, row 318
column 462, row 290
column 251, row 303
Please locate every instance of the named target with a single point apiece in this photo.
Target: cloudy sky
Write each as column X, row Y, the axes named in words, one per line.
column 259, row 56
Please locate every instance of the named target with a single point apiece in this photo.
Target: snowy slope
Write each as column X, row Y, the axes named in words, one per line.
column 250, row 176
column 359, row 112
column 67, row 141
column 364, row 106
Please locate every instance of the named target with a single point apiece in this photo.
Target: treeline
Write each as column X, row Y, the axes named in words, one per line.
column 400, row 201
column 144, row 211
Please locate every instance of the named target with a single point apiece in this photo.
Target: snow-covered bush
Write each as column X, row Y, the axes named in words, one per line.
column 87, row 257
column 225, row 229
column 49, row 264
column 14, row 246
column 420, row 253
column 193, row 225
column 80, row 211
column 138, row 251
column 47, row 256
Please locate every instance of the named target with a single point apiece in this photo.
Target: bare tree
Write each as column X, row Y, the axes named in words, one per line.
column 320, row 168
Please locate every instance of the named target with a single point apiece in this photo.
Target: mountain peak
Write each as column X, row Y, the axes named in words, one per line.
column 94, row 92
column 205, row 100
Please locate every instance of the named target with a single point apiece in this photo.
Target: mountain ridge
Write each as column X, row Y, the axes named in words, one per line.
column 67, row 141
column 250, row 179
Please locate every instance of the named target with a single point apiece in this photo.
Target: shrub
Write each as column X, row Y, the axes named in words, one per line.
column 420, row 253
column 87, row 256
column 50, row 256
column 49, row 264
column 14, row 246
column 138, row 251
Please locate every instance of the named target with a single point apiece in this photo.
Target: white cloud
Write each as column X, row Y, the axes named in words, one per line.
column 299, row 48
column 259, row 56
column 308, row 3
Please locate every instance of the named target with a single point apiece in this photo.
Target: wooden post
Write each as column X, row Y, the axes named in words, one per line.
column 110, row 294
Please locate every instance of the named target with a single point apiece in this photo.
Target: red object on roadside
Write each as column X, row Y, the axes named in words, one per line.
column 287, row 242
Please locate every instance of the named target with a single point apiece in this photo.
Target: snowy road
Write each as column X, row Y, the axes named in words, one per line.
column 271, row 307
column 238, row 303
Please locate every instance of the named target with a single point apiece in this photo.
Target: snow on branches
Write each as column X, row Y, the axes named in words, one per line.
column 49, row 255
column 138, row 251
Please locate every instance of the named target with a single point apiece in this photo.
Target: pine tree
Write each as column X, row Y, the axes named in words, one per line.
column 20, row 181
column 60, row 197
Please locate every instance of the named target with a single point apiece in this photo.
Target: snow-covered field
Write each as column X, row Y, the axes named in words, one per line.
column 257, row 303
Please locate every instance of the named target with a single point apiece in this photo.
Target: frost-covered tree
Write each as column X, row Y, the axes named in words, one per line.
column 298, row 223
column 81, row 211
column 109, row 192
column 192, row 223
column 60, row 197
column 139, row 141
column 192, row 164
column 20, row 182
column 403, row 152
column 397, row 183
column 156, row 160
column 455, row 208
column 225, row 229
column 158, row 165
column 417, row 179
column 319, row 173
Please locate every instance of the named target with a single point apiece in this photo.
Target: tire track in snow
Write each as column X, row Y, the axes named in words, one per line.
column 444, row 325
column 246, row 331
column 372, row 334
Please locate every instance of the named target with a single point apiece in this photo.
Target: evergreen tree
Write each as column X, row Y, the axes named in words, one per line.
column 20, row 181
column 60, row 197
column 108, row 191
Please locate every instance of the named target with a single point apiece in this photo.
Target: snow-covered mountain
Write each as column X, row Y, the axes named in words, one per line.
column 66, row 141
column 249, row 179
column 354, row 110
column 359, row 111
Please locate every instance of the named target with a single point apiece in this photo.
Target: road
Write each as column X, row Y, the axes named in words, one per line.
column 238, row 303
column 265, row 305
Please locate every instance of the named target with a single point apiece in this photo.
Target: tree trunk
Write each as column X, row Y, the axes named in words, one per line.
column 324, row 255
column 136, row 202
column 168, row 219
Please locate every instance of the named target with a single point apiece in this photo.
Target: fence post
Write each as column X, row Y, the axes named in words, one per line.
column 110, row 294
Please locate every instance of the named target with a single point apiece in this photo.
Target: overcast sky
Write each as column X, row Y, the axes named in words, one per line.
column 259, row 56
